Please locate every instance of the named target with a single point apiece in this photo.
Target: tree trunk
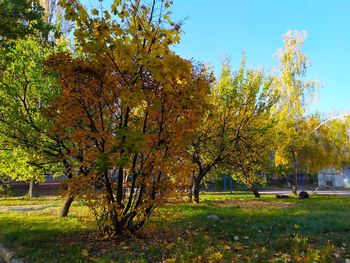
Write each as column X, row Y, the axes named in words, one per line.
column 254, row 191
column 32, row 191
column 70, row 197
column 195, row 189
column 119, row 229
column 66, row 206
column 190, row 193
column 294, row 183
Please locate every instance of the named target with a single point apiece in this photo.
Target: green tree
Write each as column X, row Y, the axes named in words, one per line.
column 26, row 165
column 25, row 89
column 252, row 93
column 25, row 27
column 19, row 18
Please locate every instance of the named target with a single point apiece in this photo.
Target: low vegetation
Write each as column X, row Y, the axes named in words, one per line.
column 247, row 230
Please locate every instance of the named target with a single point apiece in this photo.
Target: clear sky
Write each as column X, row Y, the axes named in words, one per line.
column 217, row 28
column 225, row 27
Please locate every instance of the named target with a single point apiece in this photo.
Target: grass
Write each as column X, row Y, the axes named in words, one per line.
column 248, row 230
column 36, row 235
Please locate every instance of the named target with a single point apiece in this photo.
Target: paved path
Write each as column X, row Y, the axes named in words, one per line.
column 320, row 192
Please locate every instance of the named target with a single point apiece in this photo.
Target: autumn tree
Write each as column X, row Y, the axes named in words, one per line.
column 209, row 147
column 250, row 159
column 233, row 134
column 328, row 145
column 295, row 93
column 212, row 141
column 128, row 105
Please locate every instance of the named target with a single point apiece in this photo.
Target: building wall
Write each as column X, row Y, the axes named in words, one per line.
column 332, row 177
column 347, row 178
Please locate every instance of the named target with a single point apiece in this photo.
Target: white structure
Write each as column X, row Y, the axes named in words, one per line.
column 334, row 178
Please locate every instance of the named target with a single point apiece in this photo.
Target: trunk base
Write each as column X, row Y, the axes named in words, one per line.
column 195, row 191
column 32, row 191
column 255, row 192
column 66, row 206
column 190, row 194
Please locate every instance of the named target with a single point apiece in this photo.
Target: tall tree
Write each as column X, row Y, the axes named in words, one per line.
column 295, row 93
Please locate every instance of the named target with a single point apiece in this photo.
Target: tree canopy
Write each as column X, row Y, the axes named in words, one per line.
column 128, row 104
column 19, row 18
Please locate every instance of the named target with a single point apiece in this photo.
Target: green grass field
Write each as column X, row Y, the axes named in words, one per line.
column 248, row 230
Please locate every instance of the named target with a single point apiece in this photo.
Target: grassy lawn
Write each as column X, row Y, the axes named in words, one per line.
column 248, row 230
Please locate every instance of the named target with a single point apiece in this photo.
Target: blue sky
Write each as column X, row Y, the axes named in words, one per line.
column 225, row 27
column 217, row 28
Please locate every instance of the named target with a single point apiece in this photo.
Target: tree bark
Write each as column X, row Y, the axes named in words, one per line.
column 119, row 229
column 66, row 206
column 32, row 191
column 195, row 190
column 70, row 197
column 294, row 184
column 189, row 189
column 294, row 181
column 254, row 191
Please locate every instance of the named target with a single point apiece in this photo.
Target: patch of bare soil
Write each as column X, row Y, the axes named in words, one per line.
column 98, row 245
column 253, row 204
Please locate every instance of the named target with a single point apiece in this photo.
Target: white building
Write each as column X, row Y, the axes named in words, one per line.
column 337, row 178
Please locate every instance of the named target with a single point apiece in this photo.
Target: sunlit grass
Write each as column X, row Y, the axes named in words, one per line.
column 248, row 230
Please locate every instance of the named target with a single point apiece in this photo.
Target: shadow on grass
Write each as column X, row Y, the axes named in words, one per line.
column 311, row 230
column 315, row 229
column 36, row 238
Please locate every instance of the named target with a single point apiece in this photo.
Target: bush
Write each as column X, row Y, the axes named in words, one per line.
column 4, row 187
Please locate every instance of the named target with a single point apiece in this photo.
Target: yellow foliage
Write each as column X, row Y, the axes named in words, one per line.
column 128, row 106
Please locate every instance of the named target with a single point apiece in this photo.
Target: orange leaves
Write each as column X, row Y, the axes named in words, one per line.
column 128, row 105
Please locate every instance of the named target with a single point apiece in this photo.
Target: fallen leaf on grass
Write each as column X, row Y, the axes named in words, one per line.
column 123, row 245
column 216, row 256
column 238, row 246
column 170, row 246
